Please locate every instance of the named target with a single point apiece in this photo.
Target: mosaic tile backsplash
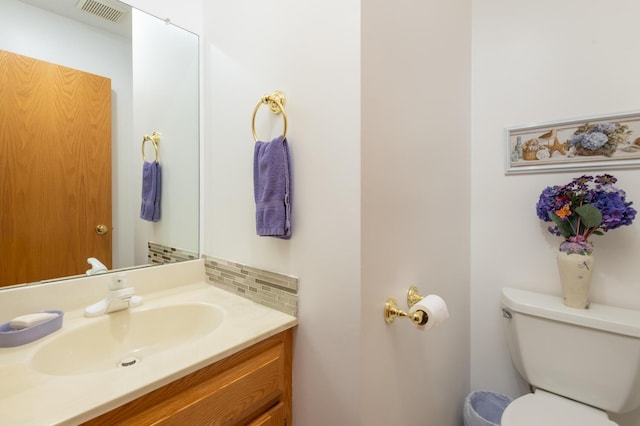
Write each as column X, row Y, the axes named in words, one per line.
column 159, row 254
column 278, row 291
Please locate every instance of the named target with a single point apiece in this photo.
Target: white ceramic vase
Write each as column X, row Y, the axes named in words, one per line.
column 575, row 278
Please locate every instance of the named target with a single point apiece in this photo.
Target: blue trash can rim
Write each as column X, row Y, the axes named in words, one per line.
column 485, row 408
column 477, row 393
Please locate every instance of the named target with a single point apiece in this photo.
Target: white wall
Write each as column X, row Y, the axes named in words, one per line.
column 415, row 212
column 165, row 54
column 311, row 52
column 538, row 62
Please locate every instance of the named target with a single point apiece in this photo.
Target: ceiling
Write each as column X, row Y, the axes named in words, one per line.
column 69, row 9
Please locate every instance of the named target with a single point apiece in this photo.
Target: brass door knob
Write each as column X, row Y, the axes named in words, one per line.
column 101, row 229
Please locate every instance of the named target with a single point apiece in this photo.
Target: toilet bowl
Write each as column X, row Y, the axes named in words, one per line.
column 582, row 363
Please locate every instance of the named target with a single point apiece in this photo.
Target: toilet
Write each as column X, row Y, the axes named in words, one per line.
column 580, row 363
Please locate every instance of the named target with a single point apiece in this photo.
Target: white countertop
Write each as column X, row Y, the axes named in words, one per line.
column 28, row 397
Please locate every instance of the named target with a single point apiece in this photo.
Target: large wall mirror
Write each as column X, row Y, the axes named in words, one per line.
column 152, row 67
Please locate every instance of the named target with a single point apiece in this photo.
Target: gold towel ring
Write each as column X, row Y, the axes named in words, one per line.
column 154, row 138
column 276, row 102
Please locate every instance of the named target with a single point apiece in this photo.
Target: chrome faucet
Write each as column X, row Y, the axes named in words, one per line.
column 118, row 298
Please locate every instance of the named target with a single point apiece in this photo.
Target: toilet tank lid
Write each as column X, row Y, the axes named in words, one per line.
column 601, row 317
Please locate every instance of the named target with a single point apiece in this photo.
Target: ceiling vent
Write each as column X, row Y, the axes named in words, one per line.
column 102, row 9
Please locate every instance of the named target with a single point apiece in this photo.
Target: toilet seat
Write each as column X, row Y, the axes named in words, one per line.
column 544, row 408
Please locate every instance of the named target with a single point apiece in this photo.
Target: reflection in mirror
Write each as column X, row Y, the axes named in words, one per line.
column 152, row 68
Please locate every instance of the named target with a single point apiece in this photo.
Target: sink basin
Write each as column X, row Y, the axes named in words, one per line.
column 124, row 338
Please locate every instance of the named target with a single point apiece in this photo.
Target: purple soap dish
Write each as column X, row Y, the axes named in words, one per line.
column 10, row 337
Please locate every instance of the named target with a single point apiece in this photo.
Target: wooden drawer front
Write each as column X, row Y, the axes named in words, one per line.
column 274, row 417
column 240, row 393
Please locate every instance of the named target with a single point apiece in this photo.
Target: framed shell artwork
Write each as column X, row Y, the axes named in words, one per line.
column 611, row 142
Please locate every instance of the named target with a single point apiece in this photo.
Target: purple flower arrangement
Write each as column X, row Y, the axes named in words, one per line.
column 584, row 207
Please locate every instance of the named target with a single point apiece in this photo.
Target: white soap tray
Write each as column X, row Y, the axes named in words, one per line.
column 10, row 337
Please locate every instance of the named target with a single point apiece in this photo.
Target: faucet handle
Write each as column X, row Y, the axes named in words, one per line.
column 97, row 267
column 118, row 282
column 122, row 294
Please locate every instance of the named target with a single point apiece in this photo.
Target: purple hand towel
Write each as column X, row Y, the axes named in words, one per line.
column 272, row 188
column 151, row 180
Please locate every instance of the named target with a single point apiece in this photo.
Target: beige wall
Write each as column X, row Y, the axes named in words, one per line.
column 415, row 210
column 538, row 62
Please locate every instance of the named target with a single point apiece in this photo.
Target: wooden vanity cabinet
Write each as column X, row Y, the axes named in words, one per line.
column 251, row 387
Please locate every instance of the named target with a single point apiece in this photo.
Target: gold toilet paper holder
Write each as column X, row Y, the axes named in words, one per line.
column 391, row 310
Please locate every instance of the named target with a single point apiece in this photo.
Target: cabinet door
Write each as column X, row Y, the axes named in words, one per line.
column 273, row 417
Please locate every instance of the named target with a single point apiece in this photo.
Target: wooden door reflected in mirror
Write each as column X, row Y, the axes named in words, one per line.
column 55, row 169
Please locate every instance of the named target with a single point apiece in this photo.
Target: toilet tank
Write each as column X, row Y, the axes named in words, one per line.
column 589, row 355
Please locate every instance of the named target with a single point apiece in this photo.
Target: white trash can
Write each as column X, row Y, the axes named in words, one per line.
column 484, row 408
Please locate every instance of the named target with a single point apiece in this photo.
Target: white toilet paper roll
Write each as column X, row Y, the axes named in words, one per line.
column 435, row 307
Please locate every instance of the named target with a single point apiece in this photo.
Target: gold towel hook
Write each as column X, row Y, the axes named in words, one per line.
column 155, row 139
column 276, row 102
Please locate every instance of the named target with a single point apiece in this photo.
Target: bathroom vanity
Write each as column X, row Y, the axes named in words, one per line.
column 191, row 354
column 251, row 387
